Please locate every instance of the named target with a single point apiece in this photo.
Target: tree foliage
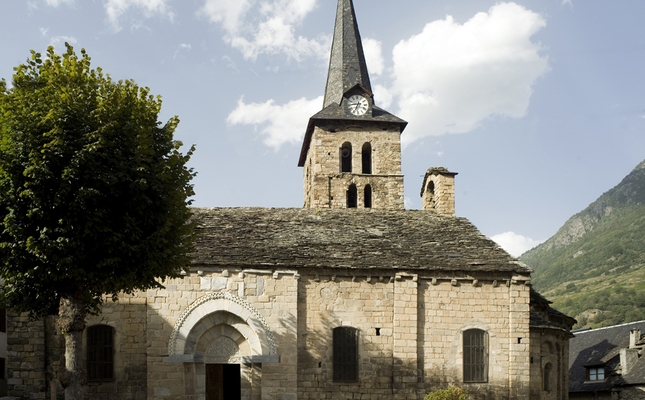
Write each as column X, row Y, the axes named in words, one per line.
column 93, row 189
column 451, row 393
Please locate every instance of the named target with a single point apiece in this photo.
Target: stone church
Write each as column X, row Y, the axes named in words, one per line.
column 350, row 297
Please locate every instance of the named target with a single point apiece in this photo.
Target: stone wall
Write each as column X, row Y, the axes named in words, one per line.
column 550, row 361
column 192, row 314
column 632, row 393
column 499, row 307
column 410, row 335
column 326, row 187
column 365, row 303
column 26, row 371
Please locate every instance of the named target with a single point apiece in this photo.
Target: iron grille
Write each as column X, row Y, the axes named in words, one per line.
column 345, row 354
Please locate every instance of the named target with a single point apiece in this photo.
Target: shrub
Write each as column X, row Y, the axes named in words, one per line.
column 452, row 393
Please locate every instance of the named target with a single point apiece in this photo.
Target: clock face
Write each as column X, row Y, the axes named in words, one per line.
column 357, row 104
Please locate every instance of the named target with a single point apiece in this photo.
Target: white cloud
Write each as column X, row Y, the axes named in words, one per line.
column 183, row 46
column 229, row 13
column 373, row 56
column 567, row 2
column 115, row 9
column 515, row 244
column 382, row 96
column 257, row 27
column 279, row 124
column 450, row 78
column 56, row 3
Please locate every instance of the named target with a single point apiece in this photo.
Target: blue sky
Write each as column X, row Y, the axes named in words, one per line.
column 539, row 105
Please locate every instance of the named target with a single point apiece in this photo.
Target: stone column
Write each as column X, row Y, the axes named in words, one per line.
column 519, row 336
column 405, row 336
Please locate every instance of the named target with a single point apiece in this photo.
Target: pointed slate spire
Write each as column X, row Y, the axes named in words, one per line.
column 347, row 67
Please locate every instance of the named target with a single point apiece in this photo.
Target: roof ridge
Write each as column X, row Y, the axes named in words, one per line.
column 609, row 327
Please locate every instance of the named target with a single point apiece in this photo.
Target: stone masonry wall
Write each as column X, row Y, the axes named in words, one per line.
column 363, row 302
column 410, row 335
column 451, row 306
column 127, row 317
column 549, row 347
column 271, row 294
column 410, row 331
column 326, row 187
column 26, row 376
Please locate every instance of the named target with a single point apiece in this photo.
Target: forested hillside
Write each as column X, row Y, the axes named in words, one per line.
column 592, row 268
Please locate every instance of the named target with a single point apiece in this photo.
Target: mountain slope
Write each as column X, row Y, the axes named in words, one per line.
column 592, row 267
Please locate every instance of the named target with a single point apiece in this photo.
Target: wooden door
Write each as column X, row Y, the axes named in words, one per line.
column 223, row 382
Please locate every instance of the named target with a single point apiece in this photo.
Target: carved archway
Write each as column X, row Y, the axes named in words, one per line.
column 220, row 309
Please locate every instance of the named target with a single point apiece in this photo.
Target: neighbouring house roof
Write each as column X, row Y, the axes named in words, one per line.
column 349, row 239
column 601, row 347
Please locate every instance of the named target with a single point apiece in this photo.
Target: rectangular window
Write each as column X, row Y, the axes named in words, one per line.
column 345, row 354
column 596, row 374
column 475, row 356
column 100, row 353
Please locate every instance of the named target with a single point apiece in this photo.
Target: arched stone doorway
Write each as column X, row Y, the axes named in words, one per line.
column 222, row 342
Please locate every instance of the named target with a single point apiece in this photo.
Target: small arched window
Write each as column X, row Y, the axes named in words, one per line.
column 431, row 201
column 346, row 157
column 366, row 154
column 100, row 353
column 475, row 355
column 352, row 196
column 345, row 362
column 367, row 192
column 546, row 380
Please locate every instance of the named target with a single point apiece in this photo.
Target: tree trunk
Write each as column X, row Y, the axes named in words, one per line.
column 71, row 320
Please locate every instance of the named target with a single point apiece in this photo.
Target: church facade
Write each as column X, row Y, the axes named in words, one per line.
column 350, row 297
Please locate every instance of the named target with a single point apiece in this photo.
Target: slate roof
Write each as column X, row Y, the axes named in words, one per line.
column 543, row 316
column 598, row 347
column 347, row 239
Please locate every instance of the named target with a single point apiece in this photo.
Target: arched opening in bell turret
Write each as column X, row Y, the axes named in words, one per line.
column 366, row 154
column 367, row 196
column 346, row 157
column 352, row 196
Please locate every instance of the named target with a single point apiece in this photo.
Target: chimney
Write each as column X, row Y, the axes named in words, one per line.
column 634, row 338
column 438, row 191
column 628, row 358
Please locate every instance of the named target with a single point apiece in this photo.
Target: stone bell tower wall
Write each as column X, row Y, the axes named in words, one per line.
column 326, row 186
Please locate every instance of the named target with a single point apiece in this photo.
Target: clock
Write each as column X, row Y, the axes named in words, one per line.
column 357, row 104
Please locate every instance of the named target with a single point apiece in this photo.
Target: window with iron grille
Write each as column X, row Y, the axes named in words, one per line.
column 345, row 354
column 100, row 353
column 475, row 356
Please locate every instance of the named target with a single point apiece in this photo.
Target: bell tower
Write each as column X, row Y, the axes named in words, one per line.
column 351, row 152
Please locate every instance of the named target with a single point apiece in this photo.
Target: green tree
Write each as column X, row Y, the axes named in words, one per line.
column 451, row 393
column 94, row 194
